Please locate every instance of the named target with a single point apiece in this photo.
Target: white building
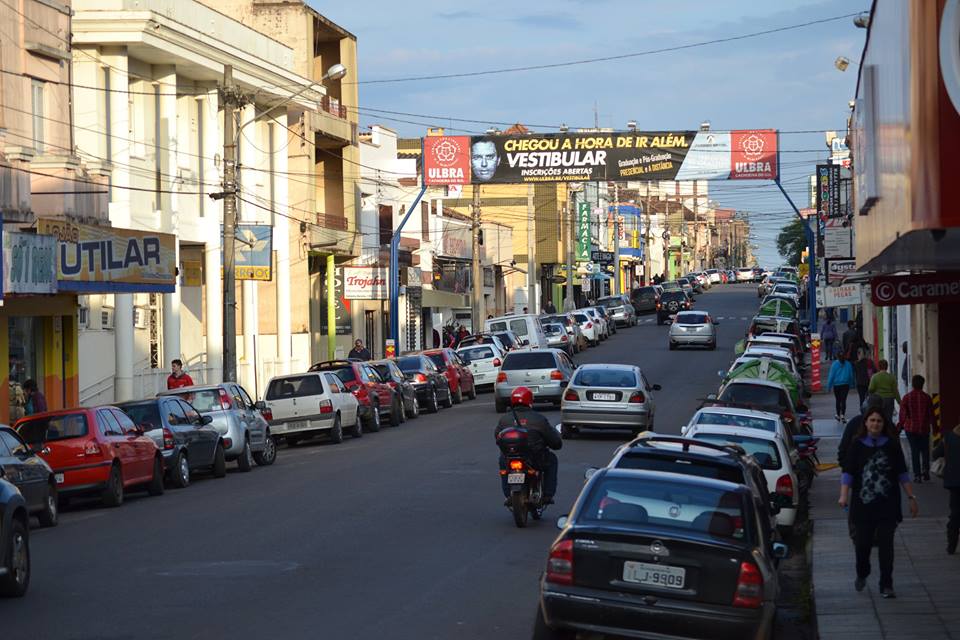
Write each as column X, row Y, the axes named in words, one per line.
column 148, row 115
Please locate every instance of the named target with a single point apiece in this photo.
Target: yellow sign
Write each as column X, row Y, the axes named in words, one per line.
column 192, row 273
column 803, row 269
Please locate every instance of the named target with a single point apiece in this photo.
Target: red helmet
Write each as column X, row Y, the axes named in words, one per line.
column 521, row 396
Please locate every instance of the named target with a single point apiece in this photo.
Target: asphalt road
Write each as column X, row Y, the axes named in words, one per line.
column 401, row 534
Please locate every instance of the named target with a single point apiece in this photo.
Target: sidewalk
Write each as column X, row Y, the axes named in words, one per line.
column 926, row 579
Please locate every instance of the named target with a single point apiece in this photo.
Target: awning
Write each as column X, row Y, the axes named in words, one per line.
column 434, row 298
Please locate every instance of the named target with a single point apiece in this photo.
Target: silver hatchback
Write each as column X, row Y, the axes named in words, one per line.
column 694, row 328
column 545, row 372
column 611, row 396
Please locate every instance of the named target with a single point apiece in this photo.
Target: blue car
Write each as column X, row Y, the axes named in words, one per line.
column 14, row 541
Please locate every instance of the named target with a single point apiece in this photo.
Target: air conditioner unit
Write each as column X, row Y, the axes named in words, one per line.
column 106, row 318
column 140, row 318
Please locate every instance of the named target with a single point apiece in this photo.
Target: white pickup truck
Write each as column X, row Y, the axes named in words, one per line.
column 307, row 404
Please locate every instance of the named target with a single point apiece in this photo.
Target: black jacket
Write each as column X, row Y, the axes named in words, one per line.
column 362, row 353
column 950, row 447
column 535, row 423
column 876, row 472
column 849, row 431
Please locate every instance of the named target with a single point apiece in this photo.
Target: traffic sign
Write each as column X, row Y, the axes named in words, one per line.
column 603, row 257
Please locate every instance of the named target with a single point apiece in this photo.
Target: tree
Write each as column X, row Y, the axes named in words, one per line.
column 792, row 240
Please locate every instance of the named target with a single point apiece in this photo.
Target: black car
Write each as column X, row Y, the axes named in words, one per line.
column 394, row 377
column 31, row 474
column 185, row 438
column 666, row 555
column 671, row 303
column 431, row 385
column 14, row 541
column 644, row 299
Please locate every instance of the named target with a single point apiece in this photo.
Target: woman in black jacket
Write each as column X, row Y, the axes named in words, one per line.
column 949, row 449
column 873, row 468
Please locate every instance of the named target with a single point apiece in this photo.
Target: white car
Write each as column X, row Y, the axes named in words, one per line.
column 714, row 275
column 774, row 456
column 589, row 328
column 598, row 319
column 484, row 361
column 307, row 404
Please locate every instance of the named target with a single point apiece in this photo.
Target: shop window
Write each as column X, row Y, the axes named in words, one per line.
column 25, row 360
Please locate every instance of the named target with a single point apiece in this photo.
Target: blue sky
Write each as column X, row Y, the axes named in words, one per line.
column 786, row 80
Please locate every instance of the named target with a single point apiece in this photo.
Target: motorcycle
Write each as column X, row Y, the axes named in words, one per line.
column 524, row 477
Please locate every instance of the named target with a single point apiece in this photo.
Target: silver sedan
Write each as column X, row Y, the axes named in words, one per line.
column 695, row 328
column 611, row 396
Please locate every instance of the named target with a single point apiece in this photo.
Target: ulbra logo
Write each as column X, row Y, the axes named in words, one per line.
column 884, row 292
column 446, row 152
column 752, row 147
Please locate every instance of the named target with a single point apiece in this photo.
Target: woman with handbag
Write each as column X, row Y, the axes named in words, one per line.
column 949, row 451
column 873, row 472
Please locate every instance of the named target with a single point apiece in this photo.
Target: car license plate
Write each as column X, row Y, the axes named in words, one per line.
column 58, row 477
column 605, row 396
column 516, row 478
column 656, row 575
column 533, row 388
column 294, row 426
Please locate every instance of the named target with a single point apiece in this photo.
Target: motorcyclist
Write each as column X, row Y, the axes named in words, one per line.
column 542, row 437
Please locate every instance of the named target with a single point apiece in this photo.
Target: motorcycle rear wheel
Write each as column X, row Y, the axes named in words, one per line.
column 518, row 505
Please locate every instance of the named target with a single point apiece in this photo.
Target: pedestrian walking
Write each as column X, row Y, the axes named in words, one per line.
column 36, row 401
column 868, row 488
column 840, row 379
column 359, row 351
column 863, row 370
column 949, row 450
column 905, row 368
column 829, row 337
column 851, row 342
column 549, row 307
column 853, row 425
column 916, row 418
column 178, row 378
column 885, row 385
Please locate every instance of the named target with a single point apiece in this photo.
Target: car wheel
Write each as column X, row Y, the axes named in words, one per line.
column 395, row 410
column 268, row 456
column 403, row 410
column 245, row 461
column 373, row 422
column 219, row 462
column 473, row 391
column 434, row 405
column 16, row 578
column 336, row 431
column 155, row 487
column 180, row 473
column 449, row 400
column 357, row 430
column 416, row 407
column 51, row 508
column 458, row 396
column 543, row 632
column 112, row 495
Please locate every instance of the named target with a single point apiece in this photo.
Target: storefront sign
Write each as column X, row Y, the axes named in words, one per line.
column 839, row 296
column 456, row 241
column 365, row 283
column 583, row 231
column 888, row 291
column 344, row 323
column 111, row 260
column 253, row 249
column 828, row 191
column 595, row 156
column 839, row 268
column 191, row 272
column 837, row 239
column 29, row 263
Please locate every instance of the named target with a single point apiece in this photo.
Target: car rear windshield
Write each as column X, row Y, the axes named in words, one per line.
column 589, row 377
column 642, row 291
column 554, row 329
column 525, row 360
column 506, row 339
column 678, row 463
column 667, row 505
column 734, row 420
column 692, row 318
column 203, row 401
column 409, row 364
column 294, row 387
column 476, row 353
column 345, row 373
column 51, row 429
column 611, row 302
column 581, row 317
column 669, row 296
column 759, row 395
column 145, row 414
column 437, row 359
column 763, row 451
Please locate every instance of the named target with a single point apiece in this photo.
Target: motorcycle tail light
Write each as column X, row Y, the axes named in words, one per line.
column 516, row 465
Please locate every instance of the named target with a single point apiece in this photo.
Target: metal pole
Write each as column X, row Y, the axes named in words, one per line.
column 476, row 303
column 395, row 272
column 532, row 301
column 812, row 249
column 229, row 228
column 616, row 238
column 332, row 308
column 646, row 238
column 568, row 303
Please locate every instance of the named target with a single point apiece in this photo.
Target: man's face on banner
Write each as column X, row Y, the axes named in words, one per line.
column 484, row 160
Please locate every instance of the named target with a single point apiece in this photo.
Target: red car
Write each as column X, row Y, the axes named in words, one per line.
column 374, row 396
column 96, row 450
column 458, row 374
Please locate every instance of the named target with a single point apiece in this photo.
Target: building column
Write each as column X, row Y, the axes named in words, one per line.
column 213, row 322
column 331, row 308
column 171, row 317
column 123, row 338
column 166, row 76
column 281, row 243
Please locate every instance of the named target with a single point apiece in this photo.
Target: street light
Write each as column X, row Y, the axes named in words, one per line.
column 564, row 128
column 335, row 72
column 705, row 125
column 842, row 63
column 632, row 125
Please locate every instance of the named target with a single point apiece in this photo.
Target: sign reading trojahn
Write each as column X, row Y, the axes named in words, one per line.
column 107, row 259
column 365, row 283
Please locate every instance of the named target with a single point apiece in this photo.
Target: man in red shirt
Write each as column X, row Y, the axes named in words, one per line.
column 178, row 378
column 916, row 418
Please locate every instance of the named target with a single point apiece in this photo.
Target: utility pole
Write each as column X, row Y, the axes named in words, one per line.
column 568, row 303
column 646, row 238
column 666, row 239
column 532, row 302
column 476, row 303
column 616, row 238
column 229, row 95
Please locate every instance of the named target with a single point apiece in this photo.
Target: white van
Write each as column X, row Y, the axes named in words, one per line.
column 526, row 325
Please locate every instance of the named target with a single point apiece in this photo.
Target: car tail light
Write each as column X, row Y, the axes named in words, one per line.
column 227, row 443
column 560, row 563
column 516, row 465
column 420, row 377
column 497, row 362
column 267, row 414
column 167, row 439
column 224, row 400
column 589, row 325
column 785, row 486
column 326, row 406
column 556, row 375
column 658, row 305
column 788, row 416
column 571, row 395
column 637, row 397
column 501, row 377
column 564, row 339
column 91, row 449
column 749, row 593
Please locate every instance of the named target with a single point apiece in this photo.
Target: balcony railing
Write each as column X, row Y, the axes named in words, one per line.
column 330, row 221
column 333, row 107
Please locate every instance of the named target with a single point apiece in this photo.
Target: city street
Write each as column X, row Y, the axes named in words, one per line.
column 400, row 534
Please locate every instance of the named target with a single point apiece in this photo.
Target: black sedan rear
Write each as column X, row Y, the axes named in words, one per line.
column 405, row 391
column 433, row 390
column 660, row 555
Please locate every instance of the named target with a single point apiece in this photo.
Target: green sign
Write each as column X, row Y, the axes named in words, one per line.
column 583, row 232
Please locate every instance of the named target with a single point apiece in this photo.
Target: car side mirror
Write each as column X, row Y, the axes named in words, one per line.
column 589, row 472
column 206, row 419
column 656, row 387
column 711, row 396
column 781, row 551
column 260, row 405
column 683, row 430
column 562, row 522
